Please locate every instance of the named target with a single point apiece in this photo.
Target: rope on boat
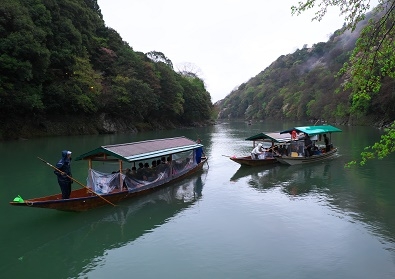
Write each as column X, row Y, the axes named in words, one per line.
column 29, row 203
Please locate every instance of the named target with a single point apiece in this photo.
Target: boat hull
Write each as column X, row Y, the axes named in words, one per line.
column 83, row 199
column 305, row 160
column 247, row 161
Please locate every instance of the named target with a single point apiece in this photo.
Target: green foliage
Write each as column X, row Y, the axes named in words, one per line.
column 341, row 79
column 380, row 149
column 23, row 59
column 58, row 57
column 310, row 105
column 341, row 110
column 197, row 100
column 157, row 57
column 353, row 10
column 171, row 98
column 371, row 65
column 371, row 61
column 297, row 86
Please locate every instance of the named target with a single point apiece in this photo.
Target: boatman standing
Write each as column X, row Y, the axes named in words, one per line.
column 308, row 144
column 294, row 136
column 64, row 180
column 327, row 146
column 199, row 152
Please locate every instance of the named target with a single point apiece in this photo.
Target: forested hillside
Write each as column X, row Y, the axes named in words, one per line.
column 303, row 86
column 61, row 66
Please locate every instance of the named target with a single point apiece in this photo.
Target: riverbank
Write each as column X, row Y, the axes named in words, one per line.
column 35, row 127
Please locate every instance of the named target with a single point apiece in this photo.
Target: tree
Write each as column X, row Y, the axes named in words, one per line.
column 157, row 57
column 189, row 70
column 23, row 58
column 59, row 58
column 371, row 62
column 171, row 99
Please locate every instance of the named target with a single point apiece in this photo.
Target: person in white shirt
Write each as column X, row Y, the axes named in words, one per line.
column 257, row 151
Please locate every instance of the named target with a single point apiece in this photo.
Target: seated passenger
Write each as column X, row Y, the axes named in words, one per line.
column 285, row 150
column 268, row 153
column 141, row 172
column 282, row 150
column 131, row 172
column 316, row 150
column 149, row 174
column 131, row 179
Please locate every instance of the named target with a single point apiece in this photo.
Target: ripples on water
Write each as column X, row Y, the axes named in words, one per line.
column 315, row 221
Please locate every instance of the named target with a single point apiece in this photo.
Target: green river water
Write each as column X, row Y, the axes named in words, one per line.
column 311, row 221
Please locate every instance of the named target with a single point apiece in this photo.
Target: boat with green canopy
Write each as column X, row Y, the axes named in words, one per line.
column 269, row 142
column 135, row 174
column 309, row 144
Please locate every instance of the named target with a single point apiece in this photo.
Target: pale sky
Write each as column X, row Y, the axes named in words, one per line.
column 226, row 41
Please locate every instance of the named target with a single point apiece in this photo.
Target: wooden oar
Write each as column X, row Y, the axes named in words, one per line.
column 75, row 180
column 273, row 151
column 205, row 158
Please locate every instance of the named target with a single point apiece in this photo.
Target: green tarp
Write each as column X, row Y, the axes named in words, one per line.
column 313, row 130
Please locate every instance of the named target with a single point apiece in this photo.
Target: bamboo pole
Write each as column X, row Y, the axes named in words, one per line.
column 75, row 180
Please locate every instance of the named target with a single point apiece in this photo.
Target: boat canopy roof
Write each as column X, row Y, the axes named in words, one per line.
column 142, row 150
column 313, row 130
column 276, row 137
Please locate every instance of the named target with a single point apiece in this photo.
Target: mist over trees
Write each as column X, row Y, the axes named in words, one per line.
column 305, row 85
column 349, row 79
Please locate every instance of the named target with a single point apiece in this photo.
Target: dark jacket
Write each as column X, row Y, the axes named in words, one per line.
column 199, row 153
column 64, row 166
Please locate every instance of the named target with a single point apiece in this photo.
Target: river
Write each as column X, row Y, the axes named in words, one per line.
column 313, row 221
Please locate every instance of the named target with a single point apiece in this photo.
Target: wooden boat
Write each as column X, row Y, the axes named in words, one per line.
column 248, row 161
column 268, row 140
column 287, row 160
column 296, row 151
column 110, row 188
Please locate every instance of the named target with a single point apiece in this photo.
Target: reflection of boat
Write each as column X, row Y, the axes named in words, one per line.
column 290, row 180
column 265, row 158
column 296, row 148
column 93, row 234
column 245, row 171
column 108, row 188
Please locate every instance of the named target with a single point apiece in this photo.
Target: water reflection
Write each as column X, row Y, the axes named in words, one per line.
column 75, row 242
column 198, row 186
column 303, row 180
column 349, row 194
column 293, row 180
